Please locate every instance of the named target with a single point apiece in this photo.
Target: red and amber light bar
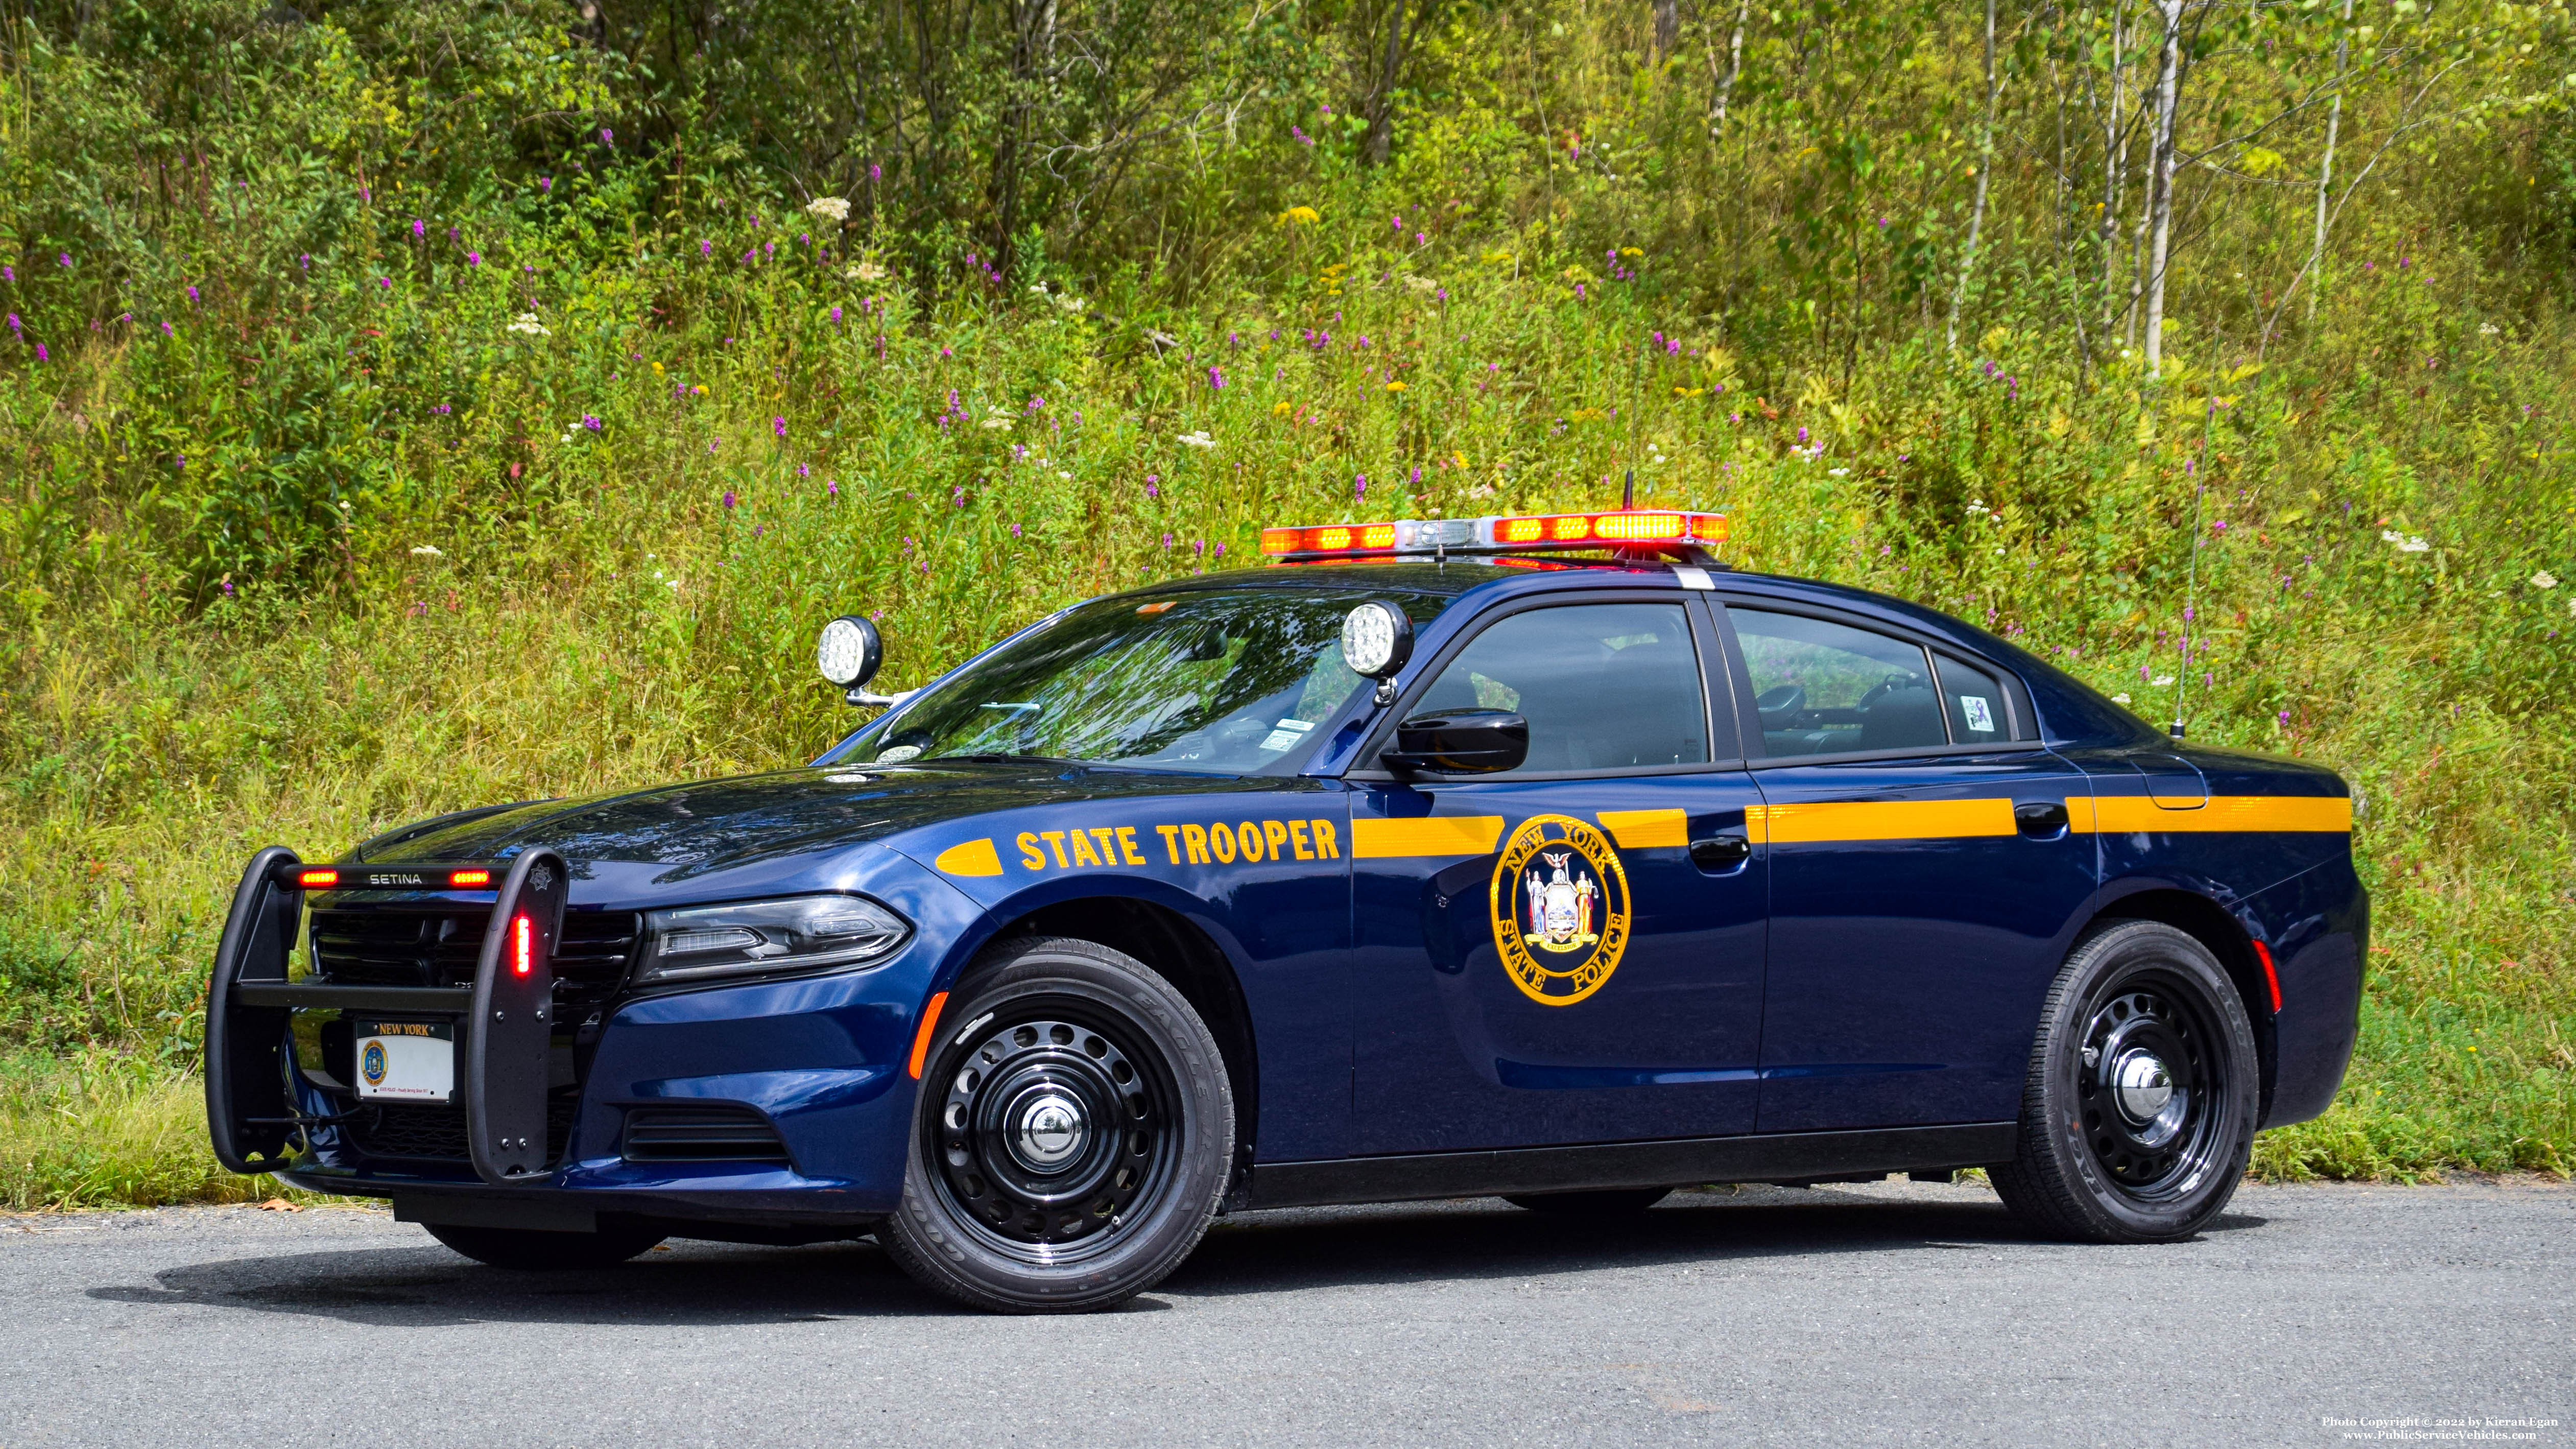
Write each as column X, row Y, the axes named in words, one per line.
column 1649, row 529
column 389, row 877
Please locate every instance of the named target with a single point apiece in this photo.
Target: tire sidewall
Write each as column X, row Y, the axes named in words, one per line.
column 936, row 1242
column 2101, row 966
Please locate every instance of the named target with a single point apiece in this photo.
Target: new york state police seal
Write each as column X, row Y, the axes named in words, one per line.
column 1560, row 909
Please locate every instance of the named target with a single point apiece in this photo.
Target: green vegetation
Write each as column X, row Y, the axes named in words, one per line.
column 410, row 407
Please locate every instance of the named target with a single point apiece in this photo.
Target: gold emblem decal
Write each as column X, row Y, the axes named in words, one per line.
column 1560, row 909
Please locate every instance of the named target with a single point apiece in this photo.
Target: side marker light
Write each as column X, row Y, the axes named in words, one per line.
column 523, row 956
column 2271, row 978
column 921, row 1038
column 317, row 880
column 465, row 878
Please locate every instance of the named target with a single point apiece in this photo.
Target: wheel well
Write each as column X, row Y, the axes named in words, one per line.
column 1182, row 954
column 2207, row 922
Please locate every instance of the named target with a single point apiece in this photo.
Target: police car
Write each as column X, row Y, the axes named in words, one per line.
column 1534, row 856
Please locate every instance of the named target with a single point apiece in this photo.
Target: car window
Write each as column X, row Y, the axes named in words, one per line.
column 1603, row 686
column 1824, row 688
column 1973, row 699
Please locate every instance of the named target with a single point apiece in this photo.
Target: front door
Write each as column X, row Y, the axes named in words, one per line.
column 1923, row 874
column 1544, row 957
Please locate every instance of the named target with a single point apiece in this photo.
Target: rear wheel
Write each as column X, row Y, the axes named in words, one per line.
column 1598, row 1202
column 1072, row 1135
column 2138, row 1114
column 527, row 1250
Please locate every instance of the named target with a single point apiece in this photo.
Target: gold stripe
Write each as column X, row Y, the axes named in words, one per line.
column 1879, row 820
column 1426, row 835
column 971, row 857
column 2141, row 815
column 1647, row 829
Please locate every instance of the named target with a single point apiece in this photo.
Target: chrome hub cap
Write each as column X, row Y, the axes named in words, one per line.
column 2140, row 1084
column 1050, row 1132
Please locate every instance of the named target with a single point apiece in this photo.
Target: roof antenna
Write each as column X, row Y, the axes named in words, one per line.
column 1628, row 494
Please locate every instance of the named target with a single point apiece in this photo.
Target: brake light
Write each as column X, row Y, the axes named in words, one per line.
column 317, row 880
column 460, row 879
column 523, row 959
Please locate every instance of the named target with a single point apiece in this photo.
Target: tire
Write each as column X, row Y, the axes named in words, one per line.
column 526, row 1250
column 1597, row 1203
column 2137, row 1119
column 1013, row 1199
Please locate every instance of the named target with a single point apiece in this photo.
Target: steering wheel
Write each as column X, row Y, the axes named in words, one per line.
column 1784, row 699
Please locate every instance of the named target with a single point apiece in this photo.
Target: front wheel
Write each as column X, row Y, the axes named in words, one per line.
column 2138, row 1114
column 1072, row 1137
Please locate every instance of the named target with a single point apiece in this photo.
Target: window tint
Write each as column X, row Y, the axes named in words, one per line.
column 1603, row 686
column 1824, row 688
column 1974, row 700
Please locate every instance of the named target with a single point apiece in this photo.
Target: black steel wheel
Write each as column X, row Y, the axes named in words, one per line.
column 2138, row 1115
column 1072, row 1137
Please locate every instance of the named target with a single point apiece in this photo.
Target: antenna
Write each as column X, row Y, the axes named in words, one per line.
column 1628, row 494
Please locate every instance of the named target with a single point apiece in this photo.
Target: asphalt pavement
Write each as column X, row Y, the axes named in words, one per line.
column 1878, row 1313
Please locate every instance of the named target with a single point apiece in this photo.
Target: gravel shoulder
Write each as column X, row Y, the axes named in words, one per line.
column 1873, row 1313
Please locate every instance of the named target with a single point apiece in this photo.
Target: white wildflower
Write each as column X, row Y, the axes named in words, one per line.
column 999, row 420
column 1838, row 472
column 2544, row 580
column 1425, row 285
column 1067, row 303
column 1199, row 439
column 2121, row 698
column 428, row 550
column 1064, row 475
column 529, row 324
column 830, row 208
column 866, row 272
column 2488, row 329
column 2163, row 679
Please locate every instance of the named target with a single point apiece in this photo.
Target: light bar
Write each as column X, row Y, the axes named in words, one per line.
column 1646, row 529
column 387, row 877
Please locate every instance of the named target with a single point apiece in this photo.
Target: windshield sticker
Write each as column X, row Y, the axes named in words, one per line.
column 1288, row 732
column 1559, row 902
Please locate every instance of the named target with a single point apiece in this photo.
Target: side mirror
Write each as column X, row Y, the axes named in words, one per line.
column 849, row 654
column 1459, row 742
column 1377, row 639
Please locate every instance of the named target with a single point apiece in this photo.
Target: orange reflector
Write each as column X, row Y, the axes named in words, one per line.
column 317, row 880
column 461, row 878
column 523, row 959
column 921, row 1038
column 2271, row 977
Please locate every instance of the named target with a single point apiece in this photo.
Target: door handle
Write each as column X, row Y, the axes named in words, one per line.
column 2042, row 819
column 1721, row 852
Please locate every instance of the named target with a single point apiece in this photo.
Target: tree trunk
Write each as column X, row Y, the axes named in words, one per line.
column 1985, row 171
column 1725, row 88
column 2325, row 171
column 1380, row 139
column 1668, row 24
column 2115, row 153
column 2160, row 188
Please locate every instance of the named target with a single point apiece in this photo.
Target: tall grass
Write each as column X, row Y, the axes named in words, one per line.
column 554, row 505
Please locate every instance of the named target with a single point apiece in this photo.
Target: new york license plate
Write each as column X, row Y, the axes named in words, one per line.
column 406, row 1061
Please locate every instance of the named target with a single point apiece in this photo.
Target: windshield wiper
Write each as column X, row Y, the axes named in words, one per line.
column 995, row 759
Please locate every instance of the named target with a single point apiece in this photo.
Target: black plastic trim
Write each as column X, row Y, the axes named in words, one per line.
column 1773, row 1157
column 429, row 1000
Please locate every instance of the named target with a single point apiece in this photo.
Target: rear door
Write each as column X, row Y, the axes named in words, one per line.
column 1923, row 875
column 1542, row 956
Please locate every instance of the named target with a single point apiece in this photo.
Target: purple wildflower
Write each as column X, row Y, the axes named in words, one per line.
column 831, row 487
column 66, row 260
column 419, row 228
column 1359, row 486
column 1216, row 379
column 473, row 259
column 607, row 137
column 192, row 296
column 779, row 426
column 385, row 282
column 14, row 324
column 41, row 354
column 836, row 316
column 728, row 498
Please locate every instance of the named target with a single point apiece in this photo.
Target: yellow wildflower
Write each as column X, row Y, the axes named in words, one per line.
column 1300, row 216
column 1395, row 387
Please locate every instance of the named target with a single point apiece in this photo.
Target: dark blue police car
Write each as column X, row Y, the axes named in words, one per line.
column 1541, row 857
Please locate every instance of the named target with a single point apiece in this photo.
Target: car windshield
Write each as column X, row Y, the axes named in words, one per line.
column 1226, row 682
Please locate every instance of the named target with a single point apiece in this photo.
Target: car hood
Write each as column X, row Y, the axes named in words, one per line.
column 687, row 831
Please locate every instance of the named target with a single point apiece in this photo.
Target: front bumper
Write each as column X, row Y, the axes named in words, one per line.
column 820, row 1061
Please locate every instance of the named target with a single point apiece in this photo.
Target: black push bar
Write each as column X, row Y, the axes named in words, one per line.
column 504, row 1020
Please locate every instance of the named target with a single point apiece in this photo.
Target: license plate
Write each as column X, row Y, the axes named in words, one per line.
column 406, row 1061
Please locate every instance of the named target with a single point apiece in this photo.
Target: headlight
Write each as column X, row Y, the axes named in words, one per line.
column 765, row 938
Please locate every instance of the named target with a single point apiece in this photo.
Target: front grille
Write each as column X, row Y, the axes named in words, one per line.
column 437, row 945
column 714, row 1133
column 436, row 1131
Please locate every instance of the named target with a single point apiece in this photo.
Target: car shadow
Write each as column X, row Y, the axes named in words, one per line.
column 718, row 1285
